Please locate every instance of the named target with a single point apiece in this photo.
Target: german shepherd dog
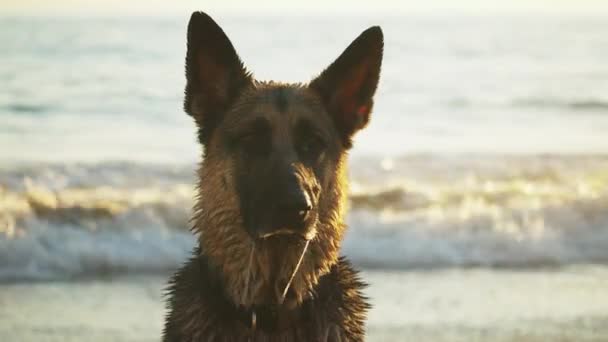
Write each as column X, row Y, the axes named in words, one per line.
column 271, row 199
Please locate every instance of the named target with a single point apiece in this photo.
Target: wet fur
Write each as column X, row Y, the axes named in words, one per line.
column 231, row 273
column 336, row 311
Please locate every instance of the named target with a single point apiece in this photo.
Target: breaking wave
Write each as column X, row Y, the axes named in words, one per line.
column 74, row 220
column 574, row 104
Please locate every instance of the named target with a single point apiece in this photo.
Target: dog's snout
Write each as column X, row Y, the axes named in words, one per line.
column 291, row 215
column 292, row 210
column 293, row 206
column 296, row 205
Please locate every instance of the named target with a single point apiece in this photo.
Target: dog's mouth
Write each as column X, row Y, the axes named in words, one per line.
column 289, row 234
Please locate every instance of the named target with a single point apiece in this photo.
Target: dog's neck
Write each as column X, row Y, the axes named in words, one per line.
column 257, row 273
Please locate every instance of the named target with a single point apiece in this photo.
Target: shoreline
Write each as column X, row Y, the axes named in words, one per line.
column 570, row 304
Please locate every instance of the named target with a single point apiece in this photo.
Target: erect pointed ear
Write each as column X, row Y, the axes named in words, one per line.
column 214, row 73
column 348, row 85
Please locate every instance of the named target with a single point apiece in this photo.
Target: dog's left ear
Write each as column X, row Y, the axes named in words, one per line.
column 348, row 85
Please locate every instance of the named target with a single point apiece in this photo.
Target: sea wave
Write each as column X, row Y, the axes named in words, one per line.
column 593, row 104
column 481, row 235
column 62, row 221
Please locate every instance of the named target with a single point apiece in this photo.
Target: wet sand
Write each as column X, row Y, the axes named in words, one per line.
column 568, row 304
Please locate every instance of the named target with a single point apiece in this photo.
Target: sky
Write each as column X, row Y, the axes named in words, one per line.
column 145, row 7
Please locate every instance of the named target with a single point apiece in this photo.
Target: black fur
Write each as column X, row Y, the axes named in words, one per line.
column 200, row 311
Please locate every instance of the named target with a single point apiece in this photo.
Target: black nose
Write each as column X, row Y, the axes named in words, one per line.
column 294, row 209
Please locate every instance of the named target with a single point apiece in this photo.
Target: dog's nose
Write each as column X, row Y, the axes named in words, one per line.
column 294, row 209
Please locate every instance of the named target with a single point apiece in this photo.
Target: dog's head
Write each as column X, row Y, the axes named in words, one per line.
column 274, row 153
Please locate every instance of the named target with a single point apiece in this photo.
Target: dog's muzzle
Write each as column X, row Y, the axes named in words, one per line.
column 292, row 217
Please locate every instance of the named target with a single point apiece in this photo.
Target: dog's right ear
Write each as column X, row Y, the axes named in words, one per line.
column 214, row 73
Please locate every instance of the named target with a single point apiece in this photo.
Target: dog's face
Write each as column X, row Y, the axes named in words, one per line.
column 284, row 141
column 284, row 148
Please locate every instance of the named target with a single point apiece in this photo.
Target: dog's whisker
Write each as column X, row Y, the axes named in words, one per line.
column 248, row 276
column 294, row 272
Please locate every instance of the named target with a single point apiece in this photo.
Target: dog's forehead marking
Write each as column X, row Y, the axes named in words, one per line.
column 286, row 98
column 284, row 101
column 280, row 97
column 282, row 106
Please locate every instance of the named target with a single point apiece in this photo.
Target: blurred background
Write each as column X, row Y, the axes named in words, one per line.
column 479, row 192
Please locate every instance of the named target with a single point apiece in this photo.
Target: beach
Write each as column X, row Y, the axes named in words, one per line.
column 443, row 305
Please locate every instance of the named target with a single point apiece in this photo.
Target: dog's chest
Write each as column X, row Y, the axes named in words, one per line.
column 199, row 311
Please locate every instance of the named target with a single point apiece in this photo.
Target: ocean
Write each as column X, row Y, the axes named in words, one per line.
column 479, row 192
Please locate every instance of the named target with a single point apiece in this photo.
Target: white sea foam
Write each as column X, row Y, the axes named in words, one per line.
column 72, row 220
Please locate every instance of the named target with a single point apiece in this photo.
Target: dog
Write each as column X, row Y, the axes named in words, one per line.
column 272, row 192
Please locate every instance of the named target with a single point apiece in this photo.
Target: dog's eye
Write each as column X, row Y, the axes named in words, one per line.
column 254, row 138
column 311, row 147
column 252, row 143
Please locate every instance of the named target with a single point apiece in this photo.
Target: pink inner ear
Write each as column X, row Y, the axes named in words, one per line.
column 362, row 110
column 349, row 89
